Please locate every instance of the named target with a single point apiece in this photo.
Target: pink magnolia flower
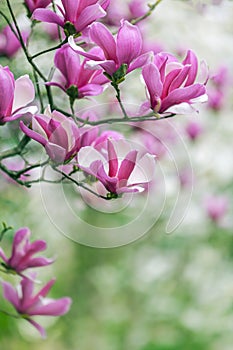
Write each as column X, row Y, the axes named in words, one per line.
column 78, row 81
column 9, row 43
column 153, row 144
column 29, row 305
column 126, row 48
column 121, row 170
column 22, row 256
column 58, row 134
column 15, row 95
column 138, row 8
column 116, row 11
column 171, row 85
column 216, row 207
column 35, row 4
column 217, row 88
column 75, row 15
column 101, row 142
column 119, row 9
column 193, row 129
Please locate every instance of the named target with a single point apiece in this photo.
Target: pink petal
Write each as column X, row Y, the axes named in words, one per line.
column 51, row 307
column 130, row 189
column 104, row 39
column 37, row 246
column 108, row 66
column 90, row 90
column 19, row 246
column 10, row 294
column 59, row 133
column 181, row 108
column 109, row 182
column 129, row 43
column 87, row 155
column 71, row 8
column 112, row 159
column 32, row 134
column 180, row 78
column 27, row 285
column 88, row 16
column 127, row 165
column 154, row 85
column 45, row 290
column 182, row 95
column 48, row 16
column 104, row 3
column 7, row 85
column 81, row 51
column 38, row 327
column 39, row 261
column 143, row 171
column 22, row 112
column 68, row 62
column 24, row 92
column 191, row 59
column 171, row 76
column 56, row 152
column 141, row 61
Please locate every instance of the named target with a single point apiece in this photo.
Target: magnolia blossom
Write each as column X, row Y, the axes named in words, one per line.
column 22, row 256
column 217, row 88
column 29, row 305
column 138, row 8
column 128, row 10
column 79, row 81
column 9, row 43
column 153, row 144
column 57, row 133
column 126, row 48
column 75, row 15
column 171, row 85
column 121, row 170
column 193, row 129
column 15, row 95
column 35, row 4
column 216, row 207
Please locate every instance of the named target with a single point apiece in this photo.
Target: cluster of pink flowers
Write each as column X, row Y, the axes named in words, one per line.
column 25, row 303
column 15, row 96
column 9, row 42
column 171, row 86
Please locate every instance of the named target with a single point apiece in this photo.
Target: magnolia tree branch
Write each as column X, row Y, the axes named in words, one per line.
column 9, row 23
column 50, row 49
column 149, row 117
column 9, row 314
column 16, row 150
column 29, row 58
column 79, row 184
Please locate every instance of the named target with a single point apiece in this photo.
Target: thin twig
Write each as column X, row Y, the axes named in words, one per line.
column 9, row 314
column 50, row 49
column 38, row 90
column 28, row 56
column 16, row 150
column 147, row 14
column 79, row 184
column 149, row 117
column 58, row 27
